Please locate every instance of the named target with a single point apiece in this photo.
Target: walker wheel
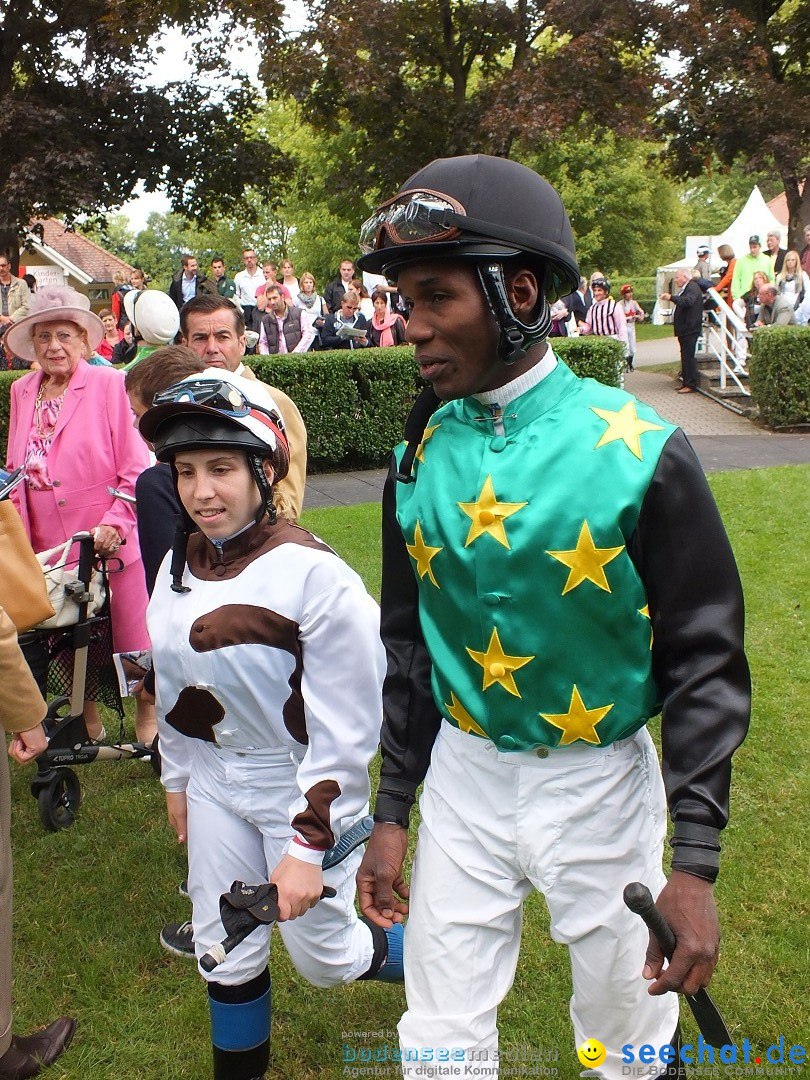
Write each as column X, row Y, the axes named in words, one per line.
column 59, row 800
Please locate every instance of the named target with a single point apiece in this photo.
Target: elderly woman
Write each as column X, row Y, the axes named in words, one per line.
column 71, row 429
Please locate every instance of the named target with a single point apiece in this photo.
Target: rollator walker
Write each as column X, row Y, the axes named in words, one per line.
column 76, row 662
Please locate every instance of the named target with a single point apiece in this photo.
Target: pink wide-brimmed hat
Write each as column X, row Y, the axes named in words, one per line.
column 54, row 303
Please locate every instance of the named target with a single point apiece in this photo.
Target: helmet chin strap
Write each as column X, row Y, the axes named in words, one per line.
column 266, row 506
column 516, row 337
column 185, row 526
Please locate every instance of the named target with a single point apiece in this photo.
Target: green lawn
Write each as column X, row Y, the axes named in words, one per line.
column 90, row 900
column 647, row 332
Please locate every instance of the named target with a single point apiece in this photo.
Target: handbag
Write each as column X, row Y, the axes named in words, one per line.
column 62, row 581
column 23, row 593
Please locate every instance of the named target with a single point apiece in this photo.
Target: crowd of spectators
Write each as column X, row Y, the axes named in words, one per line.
column 290, row 313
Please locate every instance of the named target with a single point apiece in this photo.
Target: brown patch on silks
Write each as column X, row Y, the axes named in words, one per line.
column 293, row 712
column 244, row 624
column 248, row 624
column 313, row 823
column 206, row 563
column 195, row 713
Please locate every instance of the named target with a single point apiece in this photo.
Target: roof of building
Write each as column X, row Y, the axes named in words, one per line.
column 83, row 252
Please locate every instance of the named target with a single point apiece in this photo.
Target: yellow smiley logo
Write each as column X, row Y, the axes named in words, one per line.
column 592, row 1054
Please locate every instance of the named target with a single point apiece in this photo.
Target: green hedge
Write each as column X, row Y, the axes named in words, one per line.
column 592, row 357
column 779, row 368
column 354, row 402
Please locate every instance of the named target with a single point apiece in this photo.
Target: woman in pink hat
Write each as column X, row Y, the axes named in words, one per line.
column 71, row 429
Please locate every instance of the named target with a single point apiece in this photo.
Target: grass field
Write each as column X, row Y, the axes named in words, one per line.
column 90, row 901
column 647, row 332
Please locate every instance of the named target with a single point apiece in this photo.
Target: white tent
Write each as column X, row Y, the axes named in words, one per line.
column 755, row 219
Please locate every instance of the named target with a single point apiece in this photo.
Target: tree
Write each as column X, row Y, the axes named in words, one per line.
column 713, row 199
column 625, row 212
column 419, row 79
column 78, row 127
column 743, row 92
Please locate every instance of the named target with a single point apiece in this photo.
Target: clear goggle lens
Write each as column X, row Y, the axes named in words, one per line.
column 223, row 396
column 220, row 395
column 413, row 217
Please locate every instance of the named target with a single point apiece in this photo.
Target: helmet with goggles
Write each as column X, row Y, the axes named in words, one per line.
column 601, row 283
column 222, row 409
column 488, row 209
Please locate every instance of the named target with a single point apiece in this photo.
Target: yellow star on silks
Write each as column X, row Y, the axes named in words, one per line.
column 626, row 426
column 462, row 717
column 578, row 722
column 498, row 667
column 420, row 450
column 645, row 611
column 586, row 561
column 422, row 553
column 488, row 515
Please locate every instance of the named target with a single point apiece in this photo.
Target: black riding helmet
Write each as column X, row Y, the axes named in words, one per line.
column 488, row 209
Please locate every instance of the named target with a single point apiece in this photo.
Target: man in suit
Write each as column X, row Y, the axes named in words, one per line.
column 579, row 301
column 189, row 283
column 348, row 316
column 688, row 303
column 774, row 310
column 21, row 713
column 334, row 291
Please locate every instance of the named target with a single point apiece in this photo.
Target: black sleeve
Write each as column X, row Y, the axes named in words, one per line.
column 411, row 719
column 689, row 298
column 157, row 510
column 363, row 324
column 684, row 557
column 332, row 300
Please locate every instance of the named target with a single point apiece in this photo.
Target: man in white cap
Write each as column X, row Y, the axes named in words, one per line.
column 702, row 267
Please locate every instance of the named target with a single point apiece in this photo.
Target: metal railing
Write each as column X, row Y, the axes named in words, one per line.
column 726, row 339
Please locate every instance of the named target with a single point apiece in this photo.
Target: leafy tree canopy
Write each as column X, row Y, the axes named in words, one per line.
column 625, row 212
column 419, row 79
column 743, row 93
column 79, row 128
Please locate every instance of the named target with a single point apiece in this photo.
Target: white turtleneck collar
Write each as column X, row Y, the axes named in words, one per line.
column 511, row 390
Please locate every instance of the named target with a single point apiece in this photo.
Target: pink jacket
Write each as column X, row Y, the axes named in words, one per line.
column 94, row 445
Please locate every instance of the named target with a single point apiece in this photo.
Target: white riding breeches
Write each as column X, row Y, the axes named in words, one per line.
column 238, row 829
column 578, row 824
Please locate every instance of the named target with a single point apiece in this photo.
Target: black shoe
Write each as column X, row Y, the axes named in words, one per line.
column 29, row 1054
column 177, row 938
column 182, row 888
